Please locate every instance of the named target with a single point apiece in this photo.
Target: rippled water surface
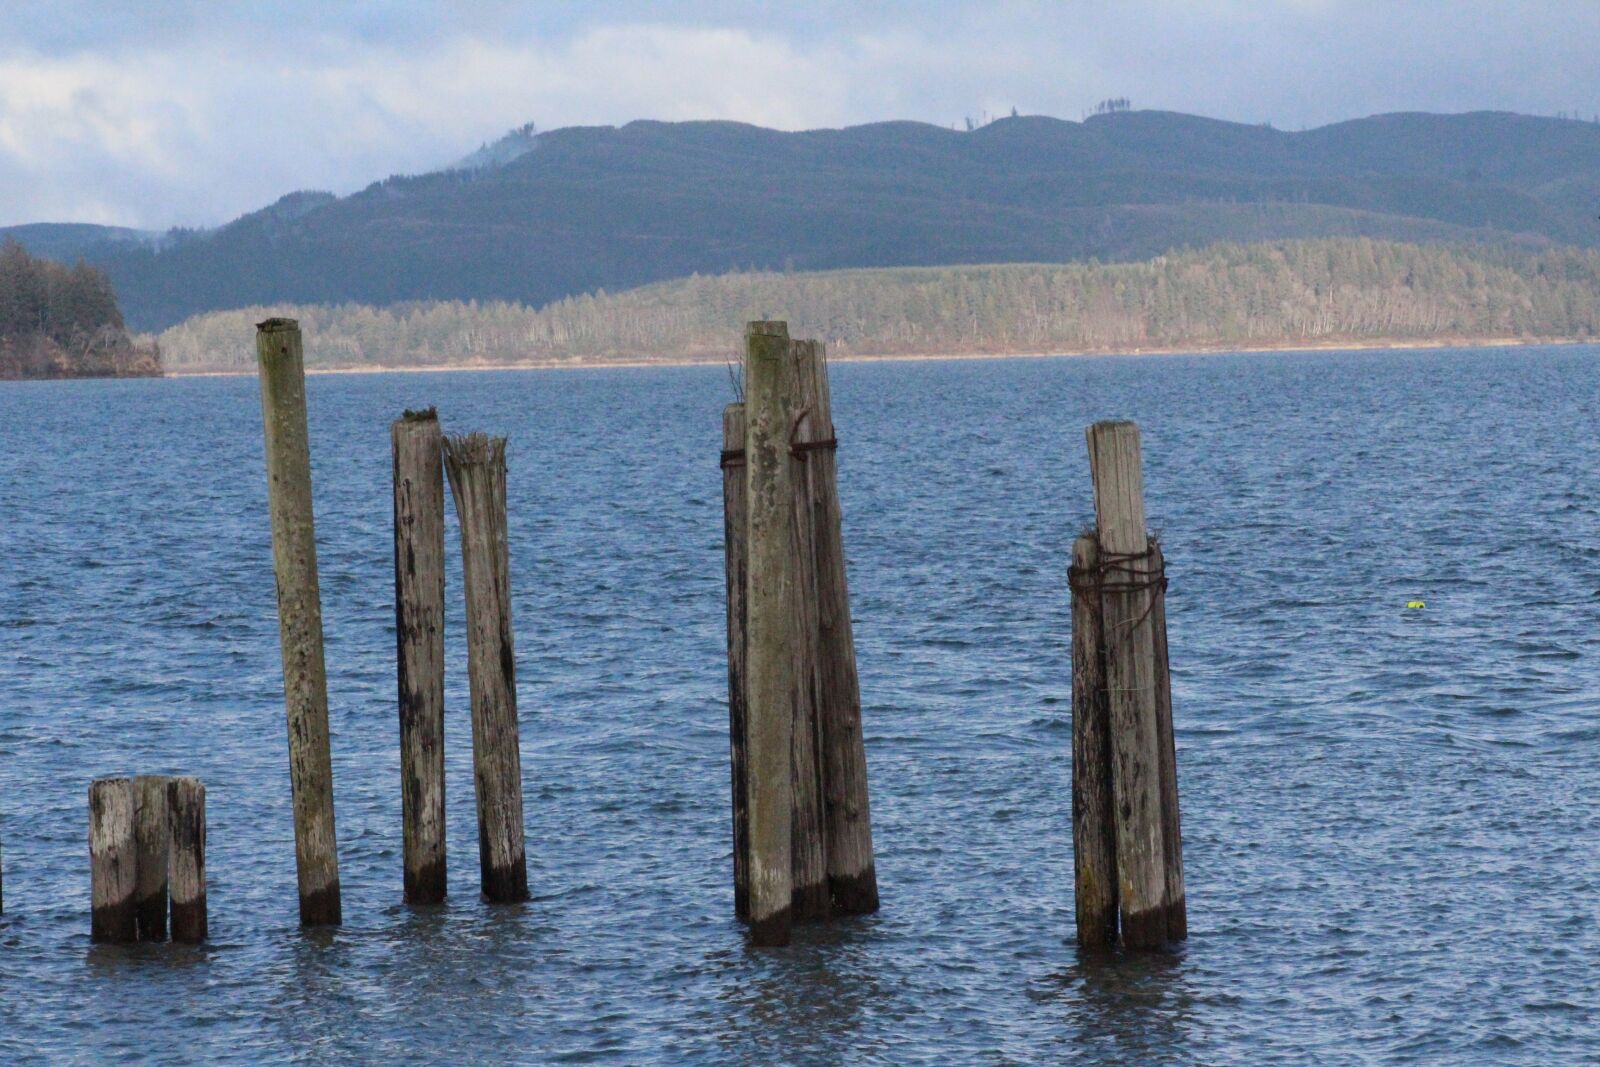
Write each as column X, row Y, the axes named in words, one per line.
column 1392, row 838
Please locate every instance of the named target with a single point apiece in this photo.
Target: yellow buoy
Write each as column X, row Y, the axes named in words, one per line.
column 1415, row 604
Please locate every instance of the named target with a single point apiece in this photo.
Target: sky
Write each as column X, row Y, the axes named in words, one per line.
column 161, row 113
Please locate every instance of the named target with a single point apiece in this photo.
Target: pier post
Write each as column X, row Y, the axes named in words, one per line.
column 1126, row 597
column 1093, row 832
column 419, row 634
column 1177, row 905
column 733, row 537
column 477, row 468
column 113, row 860
column 150, row 833
column 294, row 556
column 852, row 875
column 771, row 622
column 186, row 858
column 810, row 896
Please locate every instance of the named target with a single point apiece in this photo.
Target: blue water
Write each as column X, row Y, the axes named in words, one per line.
column 1390, row 816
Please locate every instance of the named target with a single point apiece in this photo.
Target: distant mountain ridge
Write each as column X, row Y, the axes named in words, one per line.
column 537, row 217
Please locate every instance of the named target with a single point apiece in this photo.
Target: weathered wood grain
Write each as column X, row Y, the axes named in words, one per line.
column 477, row 468
column 186, row 859
column 852, row 874
column 771, row 625
column 810, row 890
column 1093, row 828
column 113, row 860
column 1177, row 905
column 150, row 833
column 416, row 446
column 294, row 557
column 735, row 557
column 1114, row 462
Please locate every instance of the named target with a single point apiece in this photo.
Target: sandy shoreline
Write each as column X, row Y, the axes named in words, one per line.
column 922, row 357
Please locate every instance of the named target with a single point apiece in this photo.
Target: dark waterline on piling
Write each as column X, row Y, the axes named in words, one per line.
column 1386, row 817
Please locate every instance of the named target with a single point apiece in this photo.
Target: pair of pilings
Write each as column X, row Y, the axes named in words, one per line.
column 147, row 845
column 477, row 467
column 1127, row 838
column 801, row 821
column 477, row 476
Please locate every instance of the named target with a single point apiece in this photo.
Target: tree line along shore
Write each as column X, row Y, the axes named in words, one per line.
column 1300, row 293
column 58, row 321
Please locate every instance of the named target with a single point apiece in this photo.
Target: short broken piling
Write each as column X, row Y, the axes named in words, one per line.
column 477, row 468
column 186, row 858
column 419, row 633
column 113, row 860
column 1120, row 686
column 150, row 832
column 294, row 557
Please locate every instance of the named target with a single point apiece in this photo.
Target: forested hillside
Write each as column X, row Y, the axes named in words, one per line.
column 1284, row 293
column 600, row 207
column 62, row 322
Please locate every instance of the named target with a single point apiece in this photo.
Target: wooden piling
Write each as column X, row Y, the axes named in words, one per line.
column 852, row 876
column 477, row 467
column 186, row 858
column 733, row 535
column 113, row 860
column 150, row 834
column 770, row 635
column 1093, row 829
column 807, row 834
column 1177, row 906
column 1126, row 600
column 294, row 555
column 419, row 634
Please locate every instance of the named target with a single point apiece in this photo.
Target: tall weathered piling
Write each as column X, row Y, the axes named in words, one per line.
column 294, row 557
column 113, row 860
column 186, row 858
column 852, row 876
column 419, row 634
column 477, row 467
column 771, row 622
column 733, row 521
column 1131, row 584
column 807, row 835
column 792, row 682
column 1094, row 846
column 150, row 832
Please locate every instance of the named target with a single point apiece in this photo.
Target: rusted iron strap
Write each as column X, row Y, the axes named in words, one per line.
column 734, row 457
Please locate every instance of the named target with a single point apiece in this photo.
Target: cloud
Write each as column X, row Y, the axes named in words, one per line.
column 180, row 112
column 221, row 135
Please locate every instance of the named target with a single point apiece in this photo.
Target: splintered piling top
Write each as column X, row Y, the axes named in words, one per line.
column 474, row 448
column 277, row 325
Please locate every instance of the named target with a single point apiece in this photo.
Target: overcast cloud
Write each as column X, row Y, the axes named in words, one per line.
column 183, row 112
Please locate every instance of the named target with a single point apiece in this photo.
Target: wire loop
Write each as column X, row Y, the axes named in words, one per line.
column 1119, row 572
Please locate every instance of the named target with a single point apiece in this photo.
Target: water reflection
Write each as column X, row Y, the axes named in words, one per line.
column 1127, row 1005
column 813, row 995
